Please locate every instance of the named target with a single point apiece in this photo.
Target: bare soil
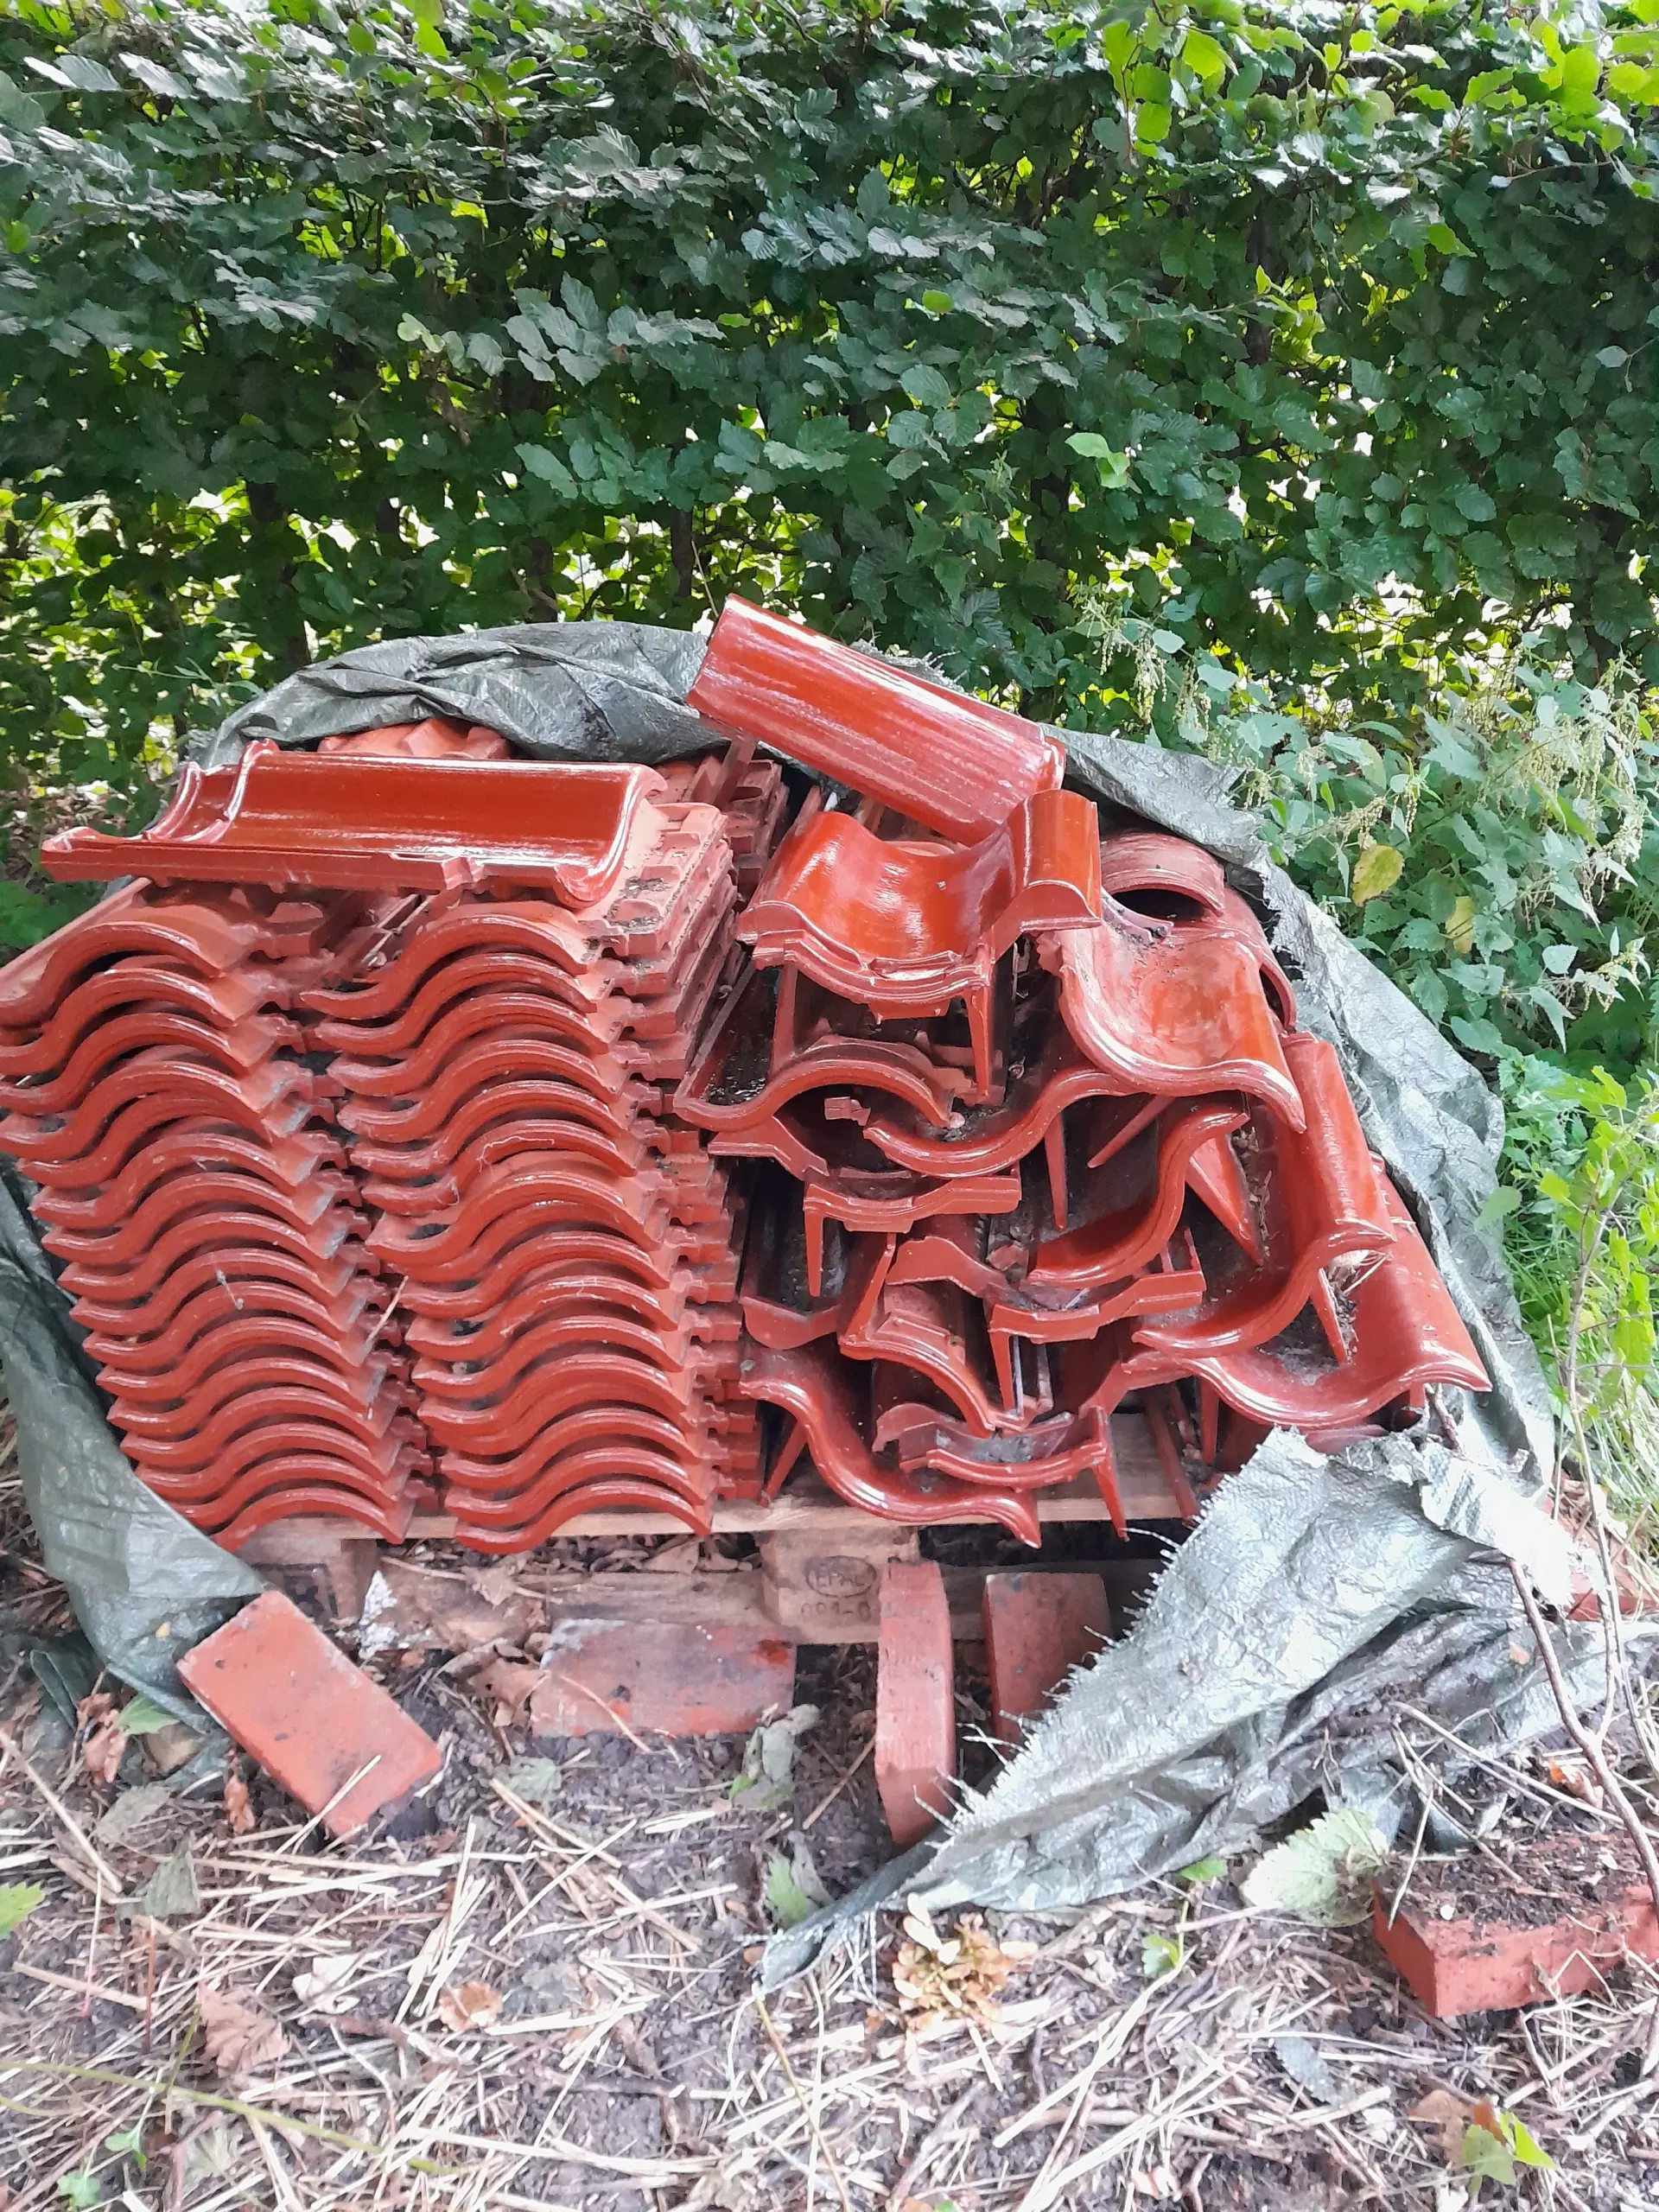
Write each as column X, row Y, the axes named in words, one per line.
column 547, row 1999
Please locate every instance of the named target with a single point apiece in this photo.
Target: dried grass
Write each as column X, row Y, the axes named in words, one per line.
column 616, row 2052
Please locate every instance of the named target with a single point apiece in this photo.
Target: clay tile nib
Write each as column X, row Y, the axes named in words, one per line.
column 313, row 1720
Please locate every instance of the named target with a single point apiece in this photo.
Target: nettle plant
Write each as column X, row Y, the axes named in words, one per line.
column 1497, row 853
column 1580, row 1211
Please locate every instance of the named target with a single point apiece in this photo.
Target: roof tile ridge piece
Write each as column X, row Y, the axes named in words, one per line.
column 856, row 911
column 324, row 1241
column 284, row 1163
column 309, row 1488
column 1322, row 1199
column 1405, row 1333
column 476, row 1131
column 1150, row 861
column 587, row 1497
column 235, row 1051
column 209, row 937
column 564, row 1387
column 356, row 821
column 672, row 1310
column 813, row 1385
column 326, row 1195
column 277, row 1098
column 1172, row 1011
column 484, row 1473
column 143, row 1343
column 934, row 755
column 220, row 1002
column 729, row 1084
column 1105, row 1247
column 434, row 739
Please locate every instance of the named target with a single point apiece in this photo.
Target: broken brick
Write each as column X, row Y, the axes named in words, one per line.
column 915, row 1700
column 1038, row 1628
column 314, row 1723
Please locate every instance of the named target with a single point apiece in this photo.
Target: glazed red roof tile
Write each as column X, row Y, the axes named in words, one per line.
column 931, row 754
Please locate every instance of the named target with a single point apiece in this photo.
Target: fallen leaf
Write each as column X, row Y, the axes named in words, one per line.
column 102, row 1752
column 211, row 2150
column 539, row 1782
column 240, row 2038
column 326, row 1984
column 168, row 1748
column 17, row 1901
column 494, row 1585
column 792, row 1888
column 768, row 1776
column 1307, row 2068
column 130, row 1810
column 238, row 1810
column 142, row 1716
column 93, row 1711
column 507, row 1684
column 473, row 2004
column 170, row 1892
column 1448, row 2116
column 679, row 1555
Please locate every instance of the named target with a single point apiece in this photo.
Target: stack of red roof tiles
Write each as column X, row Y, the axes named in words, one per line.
column 443, row 1142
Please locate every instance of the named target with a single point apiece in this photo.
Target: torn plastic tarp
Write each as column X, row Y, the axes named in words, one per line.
column 1309, row 1583
column 144, row 1585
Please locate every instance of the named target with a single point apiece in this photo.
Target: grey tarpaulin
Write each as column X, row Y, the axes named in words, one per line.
column 1313, row 1589
column 145, row 1585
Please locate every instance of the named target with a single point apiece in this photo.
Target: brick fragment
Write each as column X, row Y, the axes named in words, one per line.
column 1453, row 1967
column 717, row 1669
column 915, row 1693
column 1038, row 1628
column 310, row 1718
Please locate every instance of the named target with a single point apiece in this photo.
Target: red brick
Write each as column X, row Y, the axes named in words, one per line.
column 915, row 1700
column 1038, row 1628
column 716, row 1669
column 1453, row 1967
column 307, row 1715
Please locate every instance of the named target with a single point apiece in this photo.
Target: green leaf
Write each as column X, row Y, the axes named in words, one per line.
column 1203, row 56
column 81, row 2190
column 17, row 1901
column 1526, row 2152
column 938, row 302
column 925, row 386
column 142, row 1716
column 548, row 468
column 1161, row 1954
column 1501, row 1202
column 77, row 72
column 129, row 2143
column 1200, row 1872
column 1376, row 872
column 1487, row 2157
column 1322, row 1874
column 1477, row 1035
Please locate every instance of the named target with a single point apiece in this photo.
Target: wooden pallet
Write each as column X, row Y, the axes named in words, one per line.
column 821, row 1558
